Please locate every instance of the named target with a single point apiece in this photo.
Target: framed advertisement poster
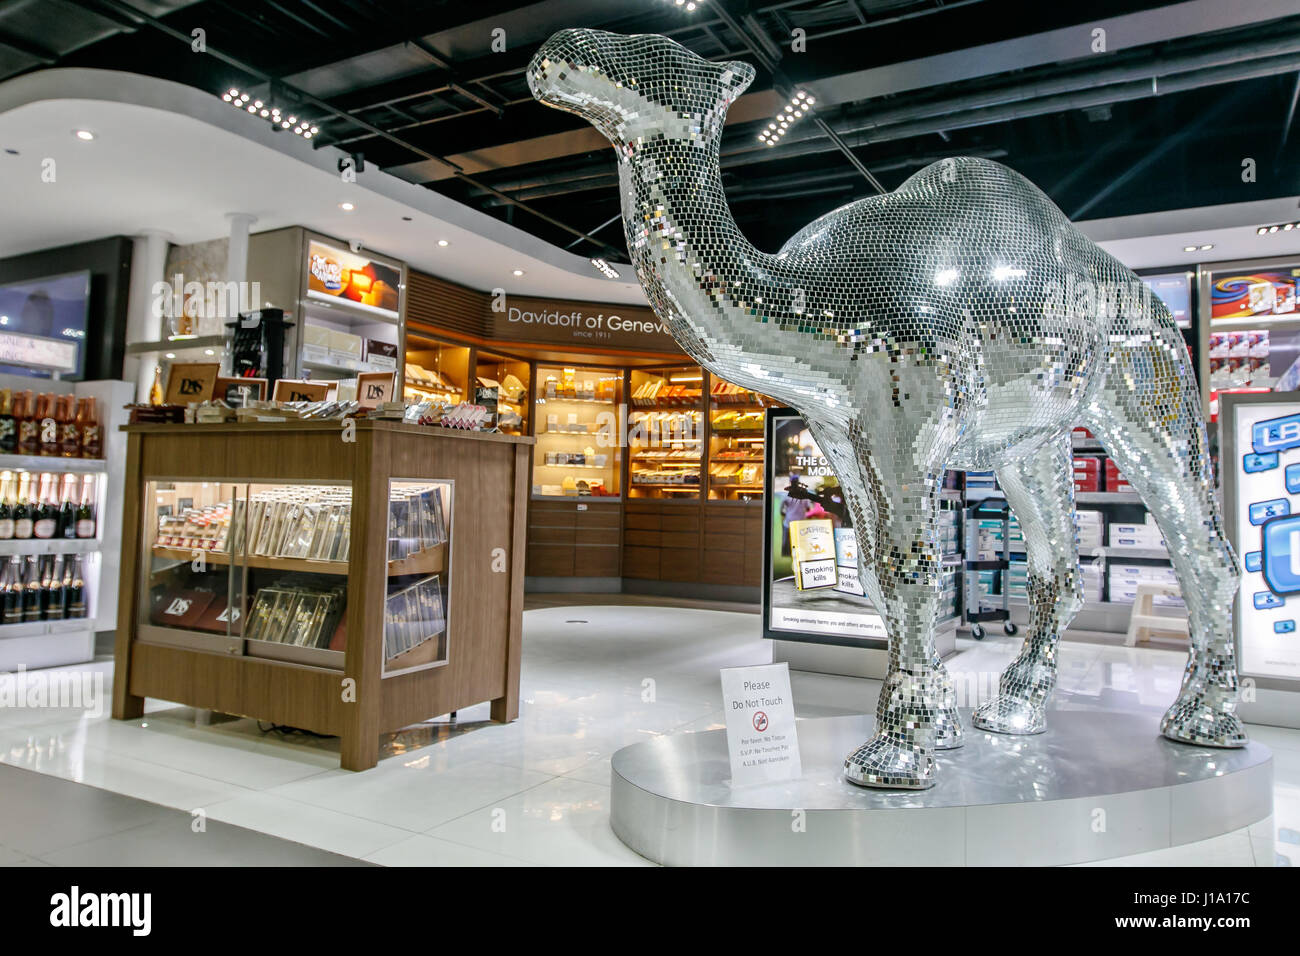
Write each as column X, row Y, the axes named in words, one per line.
column 1260, row 463
column 810, row 583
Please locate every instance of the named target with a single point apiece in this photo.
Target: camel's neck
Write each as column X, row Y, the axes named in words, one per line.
column 689, row 254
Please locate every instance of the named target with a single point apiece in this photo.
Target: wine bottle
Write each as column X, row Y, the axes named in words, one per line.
column 43, row 586
column 156, row 389
column 6, row 507
column 49, row 425
column 92, row 436
column 29, row 431
column 55, row 594
column 22, row 511
column 69, row 430
column 8, row 424
column 85, row 525
column 67, row 508
column 31, row 590
column 74, row 589
column 13, row 590
column 46, row 514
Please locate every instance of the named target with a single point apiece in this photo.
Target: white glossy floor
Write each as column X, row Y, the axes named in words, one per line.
column 536, row 792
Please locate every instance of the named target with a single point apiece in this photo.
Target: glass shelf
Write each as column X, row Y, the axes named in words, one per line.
column 577, row 453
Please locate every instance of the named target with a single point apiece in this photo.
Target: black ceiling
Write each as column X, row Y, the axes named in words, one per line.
column 415, row 86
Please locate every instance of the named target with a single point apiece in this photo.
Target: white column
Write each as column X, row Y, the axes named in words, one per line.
column 144, row 322
column 237, row 251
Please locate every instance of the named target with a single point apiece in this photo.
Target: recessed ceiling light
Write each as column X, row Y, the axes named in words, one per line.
column 444, row 243
column 1189, row 248
column 347, row 206
column 171, row 355
column 1208, row 246
column 519, row 272
column 209, row 352
column 84, row 135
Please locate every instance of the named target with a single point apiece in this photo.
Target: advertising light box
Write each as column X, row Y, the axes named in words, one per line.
column 810, row 584
column 1261, row 447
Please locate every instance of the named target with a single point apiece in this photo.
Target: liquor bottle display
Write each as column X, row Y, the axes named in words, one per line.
column 11, row 585
column 6, row 507
column 8, row 424
column 47, row 506
column 57, row 426
column 46, row 520
column 92, row 436
column 22, row 513
column 29, row 432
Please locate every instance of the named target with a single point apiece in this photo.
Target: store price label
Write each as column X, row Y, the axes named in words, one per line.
column 761, row 736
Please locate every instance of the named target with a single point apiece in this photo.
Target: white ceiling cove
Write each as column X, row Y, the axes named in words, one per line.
column 172, row 158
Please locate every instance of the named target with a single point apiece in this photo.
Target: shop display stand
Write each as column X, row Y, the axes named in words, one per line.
column 1106, row 615
column 72, row 640
column 374, row 684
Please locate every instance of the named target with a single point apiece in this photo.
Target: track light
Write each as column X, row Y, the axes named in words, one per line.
column 603, row 267
column 789, row 114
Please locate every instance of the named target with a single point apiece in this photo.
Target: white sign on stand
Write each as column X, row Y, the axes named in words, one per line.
column 760, row 724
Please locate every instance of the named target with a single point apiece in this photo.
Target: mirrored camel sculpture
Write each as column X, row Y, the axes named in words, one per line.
column 960, row 321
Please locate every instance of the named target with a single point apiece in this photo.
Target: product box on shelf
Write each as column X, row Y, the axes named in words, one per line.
column 1124, row 580
column 1091, row 530
column 1145, row 536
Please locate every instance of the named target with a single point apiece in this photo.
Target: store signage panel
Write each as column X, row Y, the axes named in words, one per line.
column 1267, row 517
column 811, row 590
column 1255, row 294
column 38, row 352
column 577, row 324
column 759, row 712
column 339, row 275
column 1174, row 289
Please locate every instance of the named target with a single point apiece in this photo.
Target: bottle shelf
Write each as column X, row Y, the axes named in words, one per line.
column 52, row 463
column 25, row 546
column 430, row 561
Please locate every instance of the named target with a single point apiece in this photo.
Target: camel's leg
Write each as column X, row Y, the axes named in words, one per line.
column 1040, row 490
column 856, row 484
column 1149, row 419
column 901, row 753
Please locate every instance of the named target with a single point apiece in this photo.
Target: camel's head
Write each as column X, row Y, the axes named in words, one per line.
column 634, row 86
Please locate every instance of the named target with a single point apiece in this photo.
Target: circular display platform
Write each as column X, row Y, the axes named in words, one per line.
column 1093, row 787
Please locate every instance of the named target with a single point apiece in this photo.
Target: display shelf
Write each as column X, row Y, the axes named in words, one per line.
column 576, row 401
column 575, row 406
column 189, row 344
column 261, row 562
column 345, row 311
column 51, row 463
column 49, row 546
column 424, row 633
column 1102, row 497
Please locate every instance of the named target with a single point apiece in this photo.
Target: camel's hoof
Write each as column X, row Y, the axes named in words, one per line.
column 882, row 762
column 1196, row 721
column 1009, row 715
column 948, row 731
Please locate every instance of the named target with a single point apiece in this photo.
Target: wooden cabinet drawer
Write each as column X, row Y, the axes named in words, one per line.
column 596, row 562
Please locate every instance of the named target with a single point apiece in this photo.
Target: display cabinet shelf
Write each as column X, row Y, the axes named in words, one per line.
column 49, row 546
column 415, row 624
column 261, row 562
column 52, row 463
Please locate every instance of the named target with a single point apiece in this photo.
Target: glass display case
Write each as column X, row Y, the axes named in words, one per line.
column 735, row 460
column 666, row 432
column 419, row 567
column 262, row 569
column 436, row 371
column 577, row 427
column 507, row 379
column 248, row 567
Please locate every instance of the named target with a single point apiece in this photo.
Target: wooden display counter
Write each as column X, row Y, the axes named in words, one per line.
column 454, row 642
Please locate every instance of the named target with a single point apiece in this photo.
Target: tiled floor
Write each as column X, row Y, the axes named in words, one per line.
column 537, row 791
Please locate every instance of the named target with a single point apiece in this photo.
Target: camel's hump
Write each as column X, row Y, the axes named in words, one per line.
column 952, row 185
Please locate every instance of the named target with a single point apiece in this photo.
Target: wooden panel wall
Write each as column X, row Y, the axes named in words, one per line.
column 572, row 538
column 711, row 543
